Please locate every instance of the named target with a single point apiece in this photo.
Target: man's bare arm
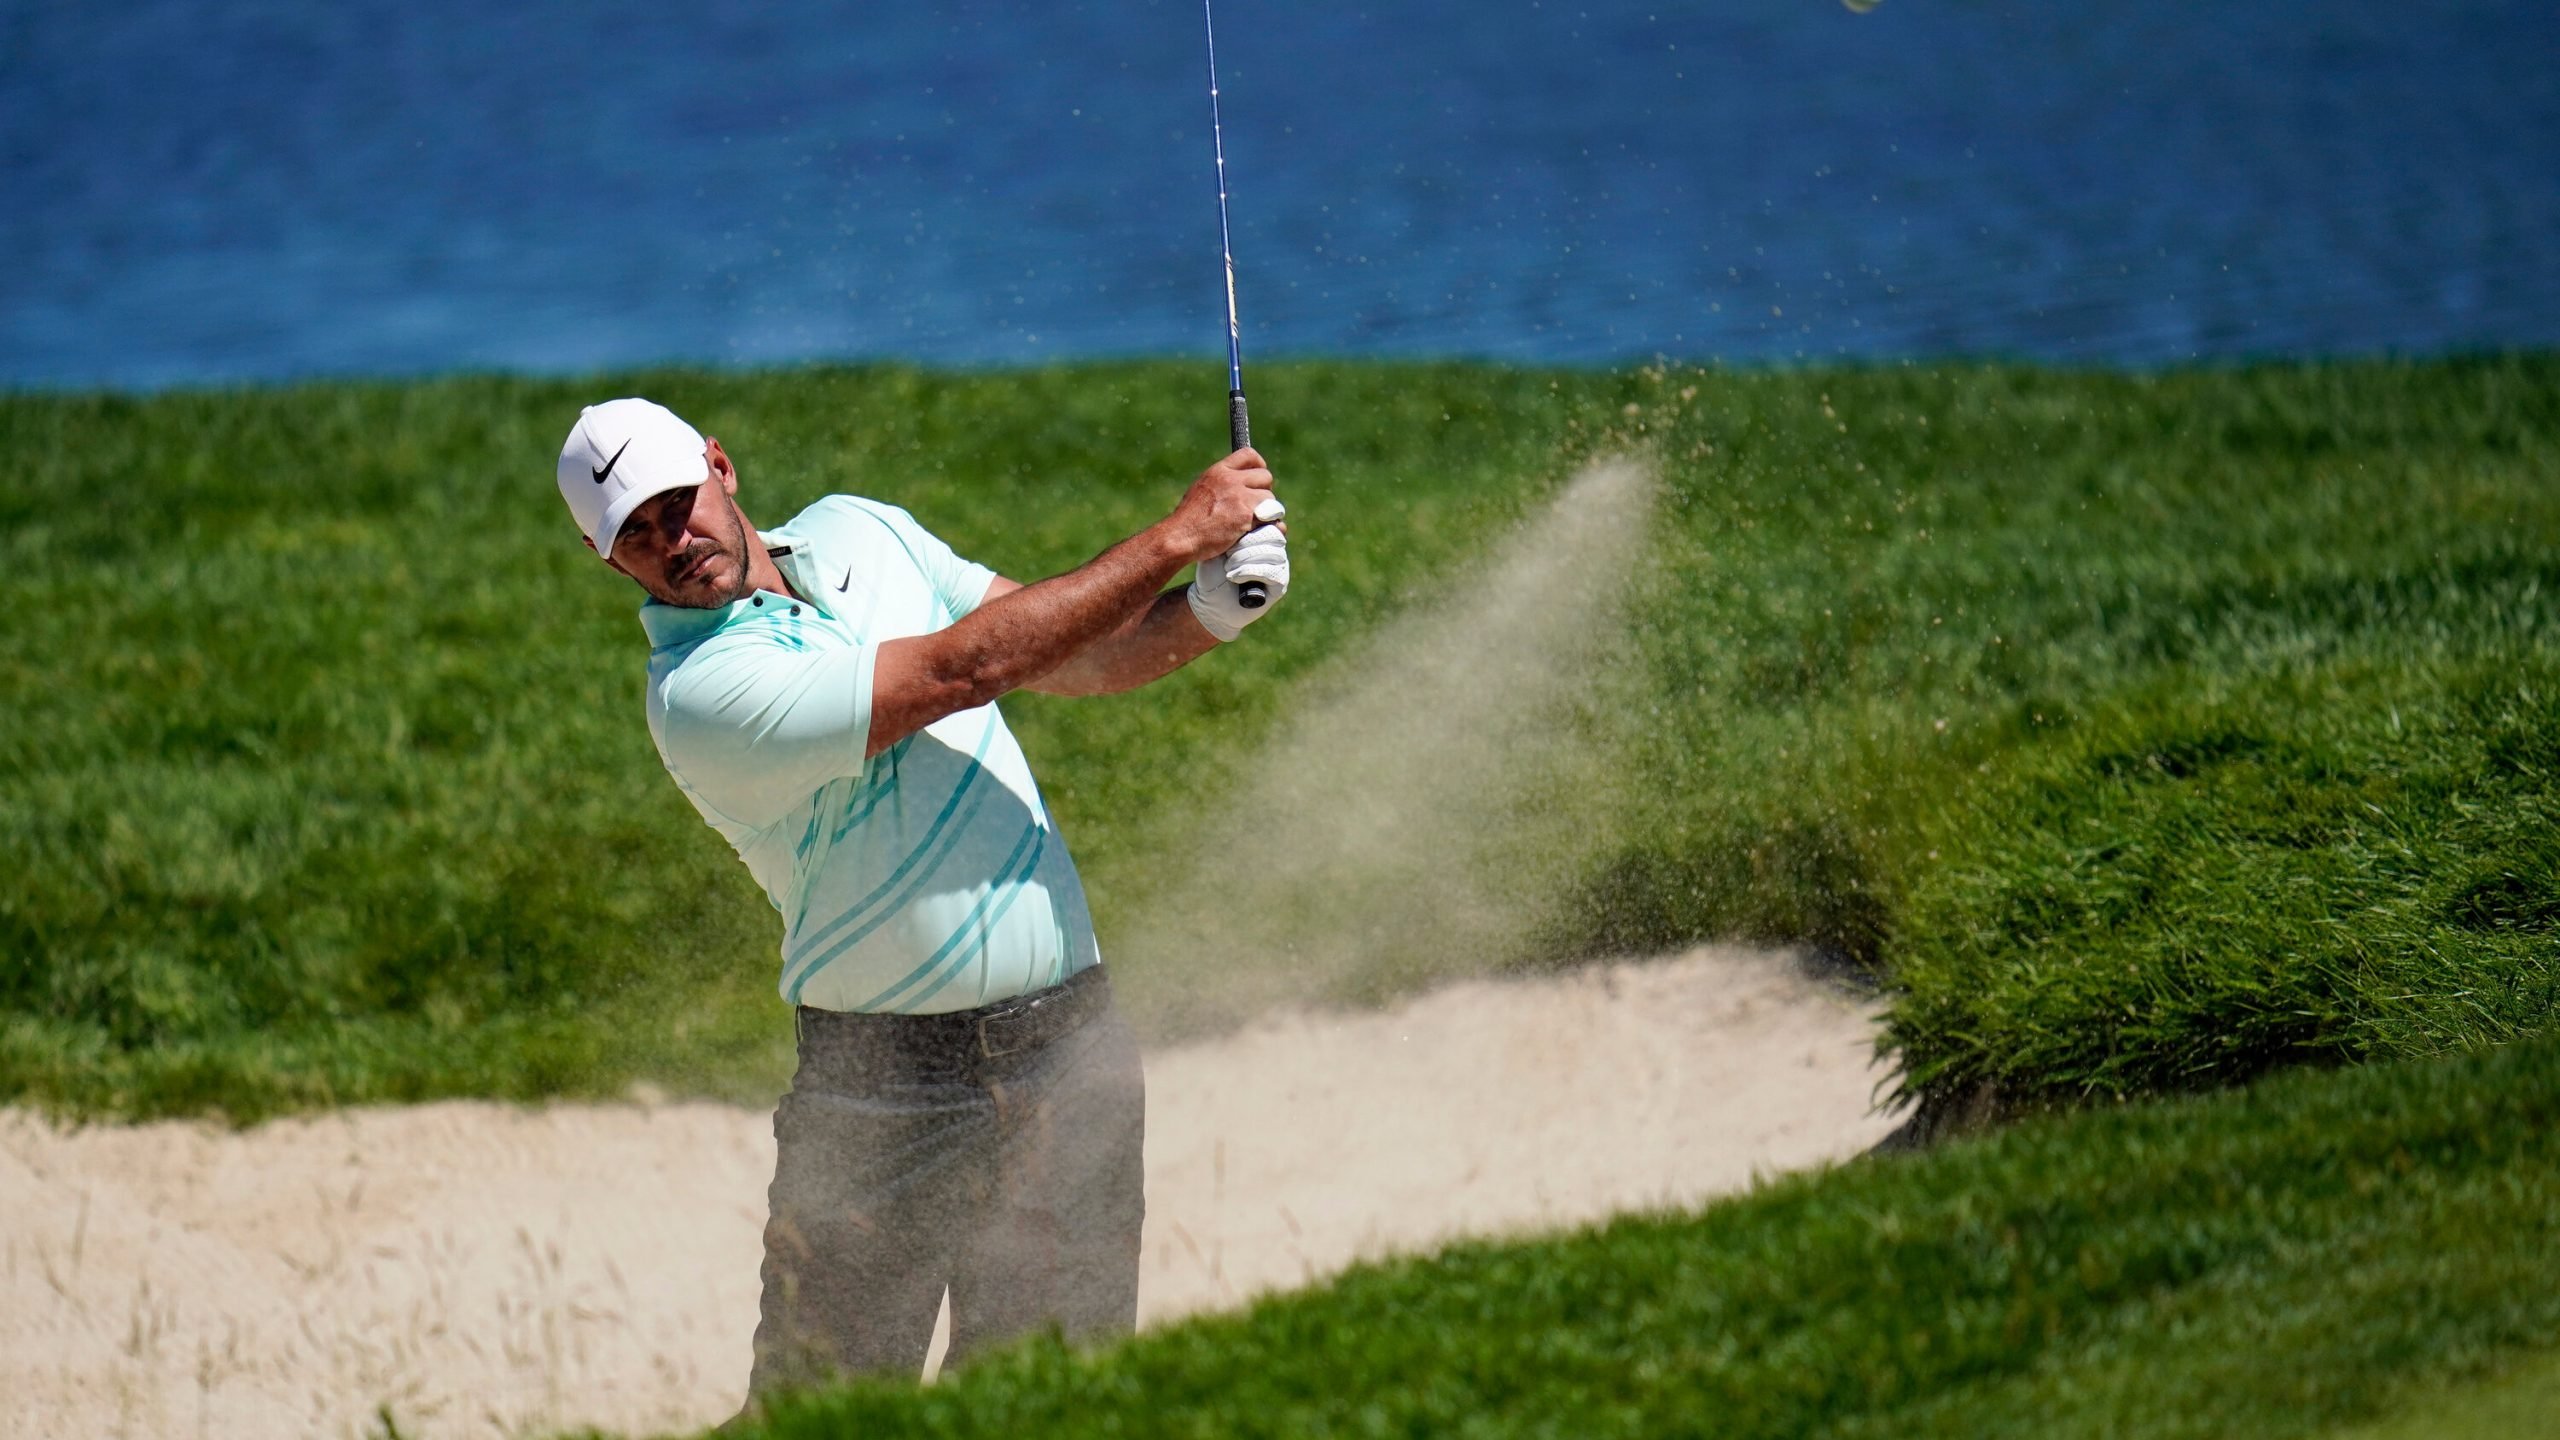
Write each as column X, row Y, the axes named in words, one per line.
column 1150, row 645
column 1023, row 635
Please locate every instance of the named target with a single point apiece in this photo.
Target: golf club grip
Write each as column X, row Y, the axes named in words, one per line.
column 1251, row 594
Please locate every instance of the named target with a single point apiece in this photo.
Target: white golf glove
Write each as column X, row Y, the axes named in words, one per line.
column 1263, row 555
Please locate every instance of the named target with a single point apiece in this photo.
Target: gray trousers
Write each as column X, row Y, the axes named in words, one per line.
column 994, row 1152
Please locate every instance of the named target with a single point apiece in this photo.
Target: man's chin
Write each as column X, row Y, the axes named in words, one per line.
column 709, row 592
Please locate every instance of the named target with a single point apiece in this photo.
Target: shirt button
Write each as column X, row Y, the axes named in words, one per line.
column 759, row 601
column 795, row 609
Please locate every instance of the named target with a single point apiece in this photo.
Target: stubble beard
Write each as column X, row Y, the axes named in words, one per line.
column 697, row 594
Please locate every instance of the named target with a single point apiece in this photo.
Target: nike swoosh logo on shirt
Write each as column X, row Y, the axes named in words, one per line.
column 609, row 464
column 847, row 582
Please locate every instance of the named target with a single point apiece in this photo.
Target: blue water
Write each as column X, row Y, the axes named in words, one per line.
column 212, row 192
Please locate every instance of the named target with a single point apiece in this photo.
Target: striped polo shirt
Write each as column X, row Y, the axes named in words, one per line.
column 928, row 879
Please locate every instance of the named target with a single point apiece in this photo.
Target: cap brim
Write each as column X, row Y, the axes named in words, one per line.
column 609, row 526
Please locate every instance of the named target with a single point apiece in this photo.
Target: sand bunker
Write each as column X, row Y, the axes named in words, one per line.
column 487, row 1270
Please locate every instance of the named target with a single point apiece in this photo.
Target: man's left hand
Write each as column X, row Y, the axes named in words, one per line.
column 1263, row 555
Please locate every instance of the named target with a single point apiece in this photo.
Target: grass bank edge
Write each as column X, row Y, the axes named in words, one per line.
column 2126, row 1270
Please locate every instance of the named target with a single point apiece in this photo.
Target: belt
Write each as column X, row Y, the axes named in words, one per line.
column 1001, row 1028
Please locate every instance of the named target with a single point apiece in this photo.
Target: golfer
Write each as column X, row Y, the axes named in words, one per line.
column 967, row 1110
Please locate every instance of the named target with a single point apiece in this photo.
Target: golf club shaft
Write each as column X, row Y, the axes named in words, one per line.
column 1251, row 594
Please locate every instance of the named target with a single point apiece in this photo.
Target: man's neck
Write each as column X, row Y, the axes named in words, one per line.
column 762, row 572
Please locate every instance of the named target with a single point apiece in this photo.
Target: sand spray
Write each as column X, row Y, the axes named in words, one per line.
column 1431, row 795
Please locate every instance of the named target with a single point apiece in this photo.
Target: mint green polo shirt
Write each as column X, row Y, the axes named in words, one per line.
column 928, row 879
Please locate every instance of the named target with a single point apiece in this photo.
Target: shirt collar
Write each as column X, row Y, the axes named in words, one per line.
column 798, row 559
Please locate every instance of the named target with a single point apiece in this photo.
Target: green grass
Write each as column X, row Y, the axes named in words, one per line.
column 2354, row 858
column 2308, row 1253
column 2145, row 732
column 2519, row 1404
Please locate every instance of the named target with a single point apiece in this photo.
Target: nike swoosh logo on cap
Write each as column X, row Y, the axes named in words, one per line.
column 609, row 464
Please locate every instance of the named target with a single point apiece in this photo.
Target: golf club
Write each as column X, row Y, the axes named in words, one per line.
column 1251, row 594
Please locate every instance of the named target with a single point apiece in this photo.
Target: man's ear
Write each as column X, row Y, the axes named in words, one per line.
column 721, row 465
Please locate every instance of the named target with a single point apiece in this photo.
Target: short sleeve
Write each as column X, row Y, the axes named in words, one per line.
column 959, row 584
column 754, row 729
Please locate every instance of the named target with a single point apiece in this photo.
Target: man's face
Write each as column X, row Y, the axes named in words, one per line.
column 689, row 547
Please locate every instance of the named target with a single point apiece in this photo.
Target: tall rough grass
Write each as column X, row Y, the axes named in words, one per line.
column 2141, row 731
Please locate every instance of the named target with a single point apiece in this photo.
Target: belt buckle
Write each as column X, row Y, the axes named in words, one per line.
column 986, row 1031
column 987, row 1047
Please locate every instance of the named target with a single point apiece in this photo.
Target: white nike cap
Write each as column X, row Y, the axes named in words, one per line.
column 620, row 453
